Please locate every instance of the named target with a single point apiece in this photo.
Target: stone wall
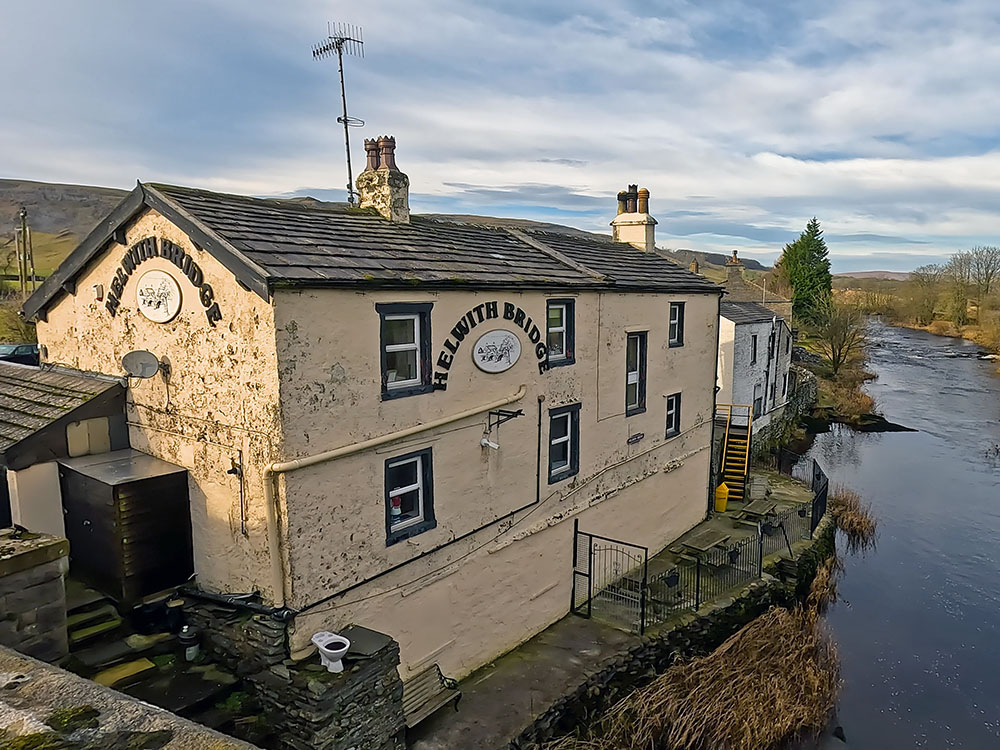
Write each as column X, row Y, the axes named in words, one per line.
column 361, row 707
column 310, row 708
column 47, row 708
column 693, row 635
column 33, row 594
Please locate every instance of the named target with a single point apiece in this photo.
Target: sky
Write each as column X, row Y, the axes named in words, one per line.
column 743, row 119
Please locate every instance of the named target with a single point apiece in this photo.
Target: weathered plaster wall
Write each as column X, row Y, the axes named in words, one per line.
column 218, row 406
column 727, row 336
column 36, row 500
column 481, row 585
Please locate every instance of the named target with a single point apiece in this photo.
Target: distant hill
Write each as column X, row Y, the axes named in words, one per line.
column 59, row 217
column 892, row 275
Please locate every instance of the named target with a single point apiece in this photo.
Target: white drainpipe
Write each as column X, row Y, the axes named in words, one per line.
column 271, row 472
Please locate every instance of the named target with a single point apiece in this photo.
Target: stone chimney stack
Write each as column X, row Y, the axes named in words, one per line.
column 734, row 271
column 381, row 185
column 633, row 224
column 694, row 266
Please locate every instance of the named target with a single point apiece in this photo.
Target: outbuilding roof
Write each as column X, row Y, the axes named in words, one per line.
column 32, row 399
column 746, row 312
column 270, row 243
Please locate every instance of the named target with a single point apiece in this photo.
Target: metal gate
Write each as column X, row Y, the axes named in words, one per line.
column 609, row 579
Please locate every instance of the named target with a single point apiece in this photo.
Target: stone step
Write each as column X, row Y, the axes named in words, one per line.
column 88, row 633
column 106, row 654
column 121, row 672
column 80, row 596
column 91, row 616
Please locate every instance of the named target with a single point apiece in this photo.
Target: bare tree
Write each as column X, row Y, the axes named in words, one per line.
column 926, row 283
column 985, row 268
column 840, row 329
column 959, row 271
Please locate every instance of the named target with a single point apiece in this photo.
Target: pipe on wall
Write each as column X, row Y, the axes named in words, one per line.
column 282, row 467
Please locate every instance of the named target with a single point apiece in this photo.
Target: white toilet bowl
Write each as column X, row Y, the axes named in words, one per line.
column 332, row 648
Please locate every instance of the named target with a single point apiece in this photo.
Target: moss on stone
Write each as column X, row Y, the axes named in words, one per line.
column 68, row 720
column 35, row 741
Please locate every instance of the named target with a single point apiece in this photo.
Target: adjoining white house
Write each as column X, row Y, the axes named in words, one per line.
column 755, row 352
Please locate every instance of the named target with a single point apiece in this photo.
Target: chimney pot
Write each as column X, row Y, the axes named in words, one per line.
column 371, row 151
column 643, row 201
column 694, row 266
column 387, row 145
column 622, row 202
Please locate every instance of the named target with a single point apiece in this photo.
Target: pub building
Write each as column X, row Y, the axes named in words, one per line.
column 367, row 417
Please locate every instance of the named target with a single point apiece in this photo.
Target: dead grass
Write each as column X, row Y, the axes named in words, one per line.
column 854, row 517
column 774, row 680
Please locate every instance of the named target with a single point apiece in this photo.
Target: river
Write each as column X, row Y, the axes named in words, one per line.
column 918, row 624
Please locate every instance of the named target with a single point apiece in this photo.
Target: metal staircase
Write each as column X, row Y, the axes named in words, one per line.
column 738, row 421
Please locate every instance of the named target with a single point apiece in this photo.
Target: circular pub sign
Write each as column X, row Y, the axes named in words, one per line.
column 158, row 296
column 496, row 351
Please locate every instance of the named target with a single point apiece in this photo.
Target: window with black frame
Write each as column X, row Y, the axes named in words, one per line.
column 409, row 496
column 405, row 348
column 564, row 442
column 676, row 334
column 635, row 374
column 560, row 332
column 673, row 414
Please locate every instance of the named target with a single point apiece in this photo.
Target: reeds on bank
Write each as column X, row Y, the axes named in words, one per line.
column 854, row 517
column 775, row 680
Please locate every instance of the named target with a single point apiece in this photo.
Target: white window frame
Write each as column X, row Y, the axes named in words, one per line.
column 418, row 486
column 673, row 408
column 414, row 347
column 557, row 329
column 675, row 327
column 567, row 438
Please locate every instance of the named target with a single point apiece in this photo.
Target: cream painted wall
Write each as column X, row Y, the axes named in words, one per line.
column 219, row 404
column 35, row 498
column 331, row 397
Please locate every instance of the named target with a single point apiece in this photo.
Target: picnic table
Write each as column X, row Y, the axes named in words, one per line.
column 760, row 508
column 706, row 539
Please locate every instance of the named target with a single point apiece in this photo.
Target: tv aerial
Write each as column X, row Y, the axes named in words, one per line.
column 140, row 364
column 341, row 39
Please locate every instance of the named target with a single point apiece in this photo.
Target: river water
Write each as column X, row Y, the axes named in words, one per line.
column 918, row 624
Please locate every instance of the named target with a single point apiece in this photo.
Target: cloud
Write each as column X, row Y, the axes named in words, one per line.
column 744, row 119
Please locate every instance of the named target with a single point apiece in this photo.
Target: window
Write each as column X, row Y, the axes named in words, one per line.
column 564, row 442
column 788, row 342
column 753, row 348
column 676, row 324
column 560, row 332
column 409, row 496
column 635, row 374
column 784, row 385
column 674, row 415
column 758, row 400
column 406, row 345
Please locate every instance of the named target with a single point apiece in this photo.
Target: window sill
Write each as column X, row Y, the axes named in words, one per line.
column 671, row 435
column 562, row 362
column 565, row 474
column 635, row 411
column 410, row 531
column 675, row 344
column 415, row 390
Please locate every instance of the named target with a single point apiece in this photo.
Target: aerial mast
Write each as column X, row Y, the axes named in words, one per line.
column 343, row 38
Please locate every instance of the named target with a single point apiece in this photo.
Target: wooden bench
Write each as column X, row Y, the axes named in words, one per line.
column 426, row 692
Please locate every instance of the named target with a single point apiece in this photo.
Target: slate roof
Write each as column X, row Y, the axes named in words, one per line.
column 269, row 243
column 32, row 398
column 746, row 312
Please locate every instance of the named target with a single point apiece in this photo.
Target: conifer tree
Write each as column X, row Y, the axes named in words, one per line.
column 805, row 263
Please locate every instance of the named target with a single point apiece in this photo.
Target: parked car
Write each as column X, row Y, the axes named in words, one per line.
column 25, row 354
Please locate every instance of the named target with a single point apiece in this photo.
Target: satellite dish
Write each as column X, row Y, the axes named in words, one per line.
column 141, row 364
